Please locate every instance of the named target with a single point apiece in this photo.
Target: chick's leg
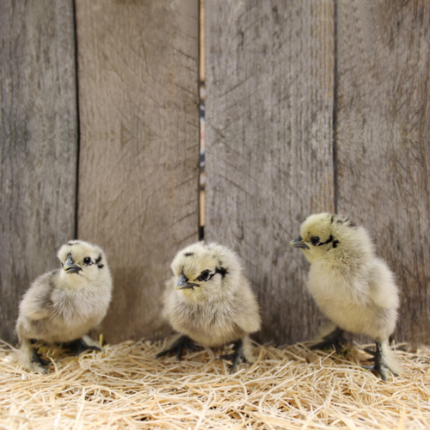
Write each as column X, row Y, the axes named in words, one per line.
column 384, row 359
column 177, row 346
column 30, row 359
column 333, row 340
column 237, row 356
column 378, row 366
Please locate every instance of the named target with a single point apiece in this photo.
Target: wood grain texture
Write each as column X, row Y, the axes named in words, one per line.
column 139, row 154
column 383, row 136
column 269, row 163
column 38, row 144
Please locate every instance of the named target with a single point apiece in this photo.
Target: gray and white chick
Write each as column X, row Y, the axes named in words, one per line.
column 352, row 286
column 210, row 301
column 63, row 305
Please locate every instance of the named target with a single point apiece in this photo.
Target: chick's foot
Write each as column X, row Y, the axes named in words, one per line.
column 79, row 346
column 178, row 346
column 333, row 340
column 378, row 366
column 37, row 364
column 236, row 356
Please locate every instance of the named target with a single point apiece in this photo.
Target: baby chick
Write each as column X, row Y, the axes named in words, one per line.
column 352, row 286
column 209, row 301
column 63, row 305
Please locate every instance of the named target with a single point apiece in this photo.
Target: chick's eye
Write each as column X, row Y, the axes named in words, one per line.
column 204, row 276
column 87, row 261
column 315, row 240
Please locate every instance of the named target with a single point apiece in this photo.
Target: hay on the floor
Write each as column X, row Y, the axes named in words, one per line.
column 292, row 388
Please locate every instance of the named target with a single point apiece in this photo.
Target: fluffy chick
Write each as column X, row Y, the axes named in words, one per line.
column 209, row 301
column 352, row 286
column 63, row 305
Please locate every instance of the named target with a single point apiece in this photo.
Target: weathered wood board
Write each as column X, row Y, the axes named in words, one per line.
column 269, row 162
column 139, row 153
column 38, row 144
column 383, row 134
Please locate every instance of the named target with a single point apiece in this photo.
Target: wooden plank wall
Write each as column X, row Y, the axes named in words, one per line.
column 269, row 161
column 298, row 121
column 271, row 110
column 383, row 141
column 38, row 144
column 139, row 153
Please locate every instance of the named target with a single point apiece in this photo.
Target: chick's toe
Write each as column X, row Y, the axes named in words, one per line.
column 178, row 346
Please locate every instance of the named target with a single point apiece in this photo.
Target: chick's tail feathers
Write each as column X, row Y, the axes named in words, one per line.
column 389, row 359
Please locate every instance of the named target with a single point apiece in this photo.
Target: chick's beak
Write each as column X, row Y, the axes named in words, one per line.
column 182, row 283
column 70, row 267
column 298, row 243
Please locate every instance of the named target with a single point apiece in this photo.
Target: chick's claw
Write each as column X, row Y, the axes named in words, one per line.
column 372, row 353
column 178, row 346
column 377, row 368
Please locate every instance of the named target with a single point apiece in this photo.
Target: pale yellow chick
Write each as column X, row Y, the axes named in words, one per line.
column 352, row 286
column 210, row 301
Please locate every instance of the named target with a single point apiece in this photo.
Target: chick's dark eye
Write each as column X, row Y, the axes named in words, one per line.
column 315, row 240
column 204, row 276
column 87, row 261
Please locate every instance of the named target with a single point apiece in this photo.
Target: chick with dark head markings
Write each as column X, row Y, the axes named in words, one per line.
column 209, row 301
column 352, row 286
column 63, row 305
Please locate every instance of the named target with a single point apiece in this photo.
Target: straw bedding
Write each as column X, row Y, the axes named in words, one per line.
column 291, row 387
